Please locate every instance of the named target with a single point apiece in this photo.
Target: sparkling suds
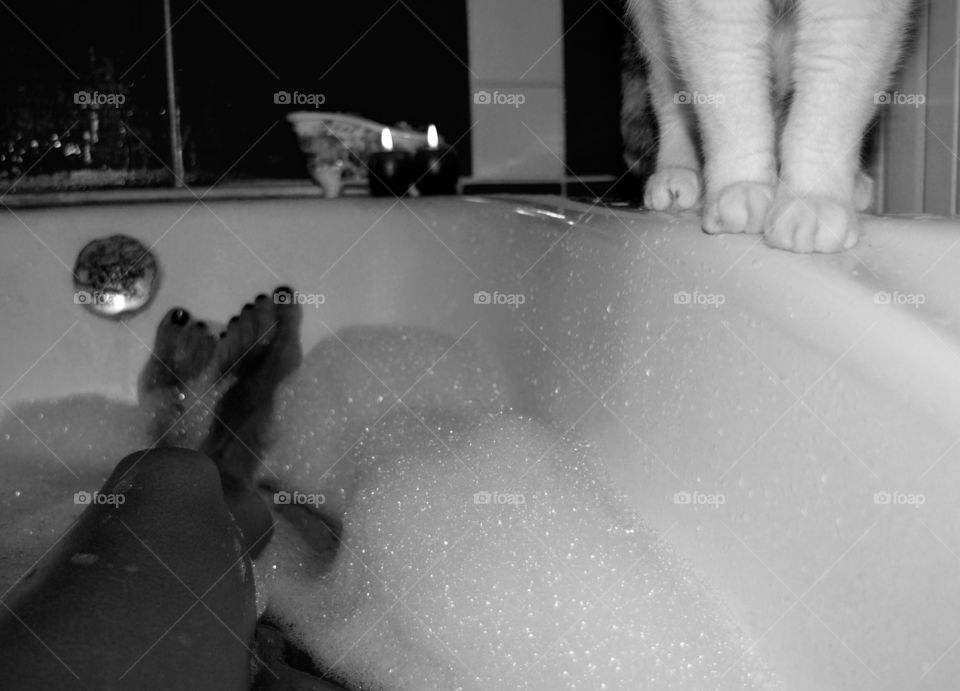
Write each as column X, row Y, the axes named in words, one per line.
column 479, row 550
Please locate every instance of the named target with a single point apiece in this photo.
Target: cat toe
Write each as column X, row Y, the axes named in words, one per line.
column 738, row 208
column 863, row 187
column 672, row 189
column 811, row 224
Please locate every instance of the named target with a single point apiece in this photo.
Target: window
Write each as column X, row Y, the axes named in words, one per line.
column 85, row 91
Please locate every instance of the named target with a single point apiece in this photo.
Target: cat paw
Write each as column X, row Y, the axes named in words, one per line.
column 672, row 189
column 811, row 224
column 738, row 208
column 862, row 191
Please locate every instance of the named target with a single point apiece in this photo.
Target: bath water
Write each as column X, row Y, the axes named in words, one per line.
column 479, row 549
column 50, row 451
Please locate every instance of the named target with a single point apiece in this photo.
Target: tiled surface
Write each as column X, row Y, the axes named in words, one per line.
column 512, row 40
column 522, row 136
column 516, row 60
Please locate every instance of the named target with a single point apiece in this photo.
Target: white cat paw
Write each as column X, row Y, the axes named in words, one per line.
column 862, row 191
column 811, row 224
column 672, row 189
column 738, row 208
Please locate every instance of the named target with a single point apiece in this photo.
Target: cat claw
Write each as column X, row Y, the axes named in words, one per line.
column 738, row 208
column 811, row 224
column 672, row 189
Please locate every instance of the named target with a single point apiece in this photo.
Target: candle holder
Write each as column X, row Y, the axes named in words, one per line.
column 436, row 168
column 391, row 171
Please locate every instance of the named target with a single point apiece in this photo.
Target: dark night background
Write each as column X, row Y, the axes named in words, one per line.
column 231, row 59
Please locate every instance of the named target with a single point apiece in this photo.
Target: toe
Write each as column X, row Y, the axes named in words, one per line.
column 738, row 208
column 157, row 372
column 248, row 329
column 169, row 331
column 288, row 312
column 193, row 352
column 165, row 347
column 265, row 318
column 231, row 349
column 811, row 224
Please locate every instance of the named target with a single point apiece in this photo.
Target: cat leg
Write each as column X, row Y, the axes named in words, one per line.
column 723, row 47
column 844, row 54
column 675, row 185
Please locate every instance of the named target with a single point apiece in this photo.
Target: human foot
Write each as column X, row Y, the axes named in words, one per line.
column 259, row 348
column 216, row 395
column 179, row 384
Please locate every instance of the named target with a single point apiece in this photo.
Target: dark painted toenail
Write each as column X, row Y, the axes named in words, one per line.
column 234, row 319
column 180, row 317
column 223, row 334
column 248, row 306
column 261, row 296
column 202, row 325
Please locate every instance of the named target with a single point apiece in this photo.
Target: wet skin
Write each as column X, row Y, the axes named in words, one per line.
column 156, row 591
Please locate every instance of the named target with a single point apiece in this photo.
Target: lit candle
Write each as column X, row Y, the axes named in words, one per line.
column 389, row 171
column 436, row 167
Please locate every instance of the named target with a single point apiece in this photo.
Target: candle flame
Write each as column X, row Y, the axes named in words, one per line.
column 432, row 139
column 386, row 139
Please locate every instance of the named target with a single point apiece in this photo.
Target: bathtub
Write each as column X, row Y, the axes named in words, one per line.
column 789, row 423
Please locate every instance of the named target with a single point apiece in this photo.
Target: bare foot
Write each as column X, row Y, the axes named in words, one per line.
column 216, row 395
column 179, row 384
column 260, row 347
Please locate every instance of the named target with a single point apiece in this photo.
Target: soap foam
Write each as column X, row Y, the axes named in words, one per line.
column 550, row 584
column 480, row 550
column 349, row 381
